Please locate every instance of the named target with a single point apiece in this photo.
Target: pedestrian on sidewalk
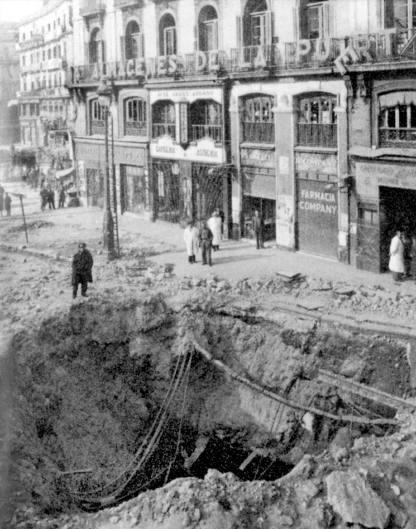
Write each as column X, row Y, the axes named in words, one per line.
column 205, row 241
column 43, row 198
column 82, row 264
column 8, row 204
column 1, row 200
column 190, row 236
column 214, row 224
column 396, row 263
column 62, row 196
column 51, row 198
column 258, row 226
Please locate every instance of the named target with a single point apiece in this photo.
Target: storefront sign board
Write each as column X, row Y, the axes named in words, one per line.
column 166, row 148
column 316, row 162
column 187, row 94
column 257, row 157
column 90, row 152
column 130, row 155
column 370, row 176
column 205, row 151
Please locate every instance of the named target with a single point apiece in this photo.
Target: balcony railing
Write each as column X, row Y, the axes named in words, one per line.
column 135, row 128
column 255, row 132
column 317, row 135
column 255, row 57
column 125, row 3
column 207, row 131
column 98, row 126
column 399, row 138
column 321, row 53
column 91, row 7
column 163, row 129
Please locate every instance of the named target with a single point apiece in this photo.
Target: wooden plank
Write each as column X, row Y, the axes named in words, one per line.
column 363, row 391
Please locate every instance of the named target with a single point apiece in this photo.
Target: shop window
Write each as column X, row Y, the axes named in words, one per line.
column 258, row 120
column 133, row 43
column 208, row 29
column 206, row 120
column 43, row 55
column 97, row 118
column 167, row 35
column 163, row 119
column 96, row 47
column 316, row 125
column 397, row 119
column 135, row 121
column 49, row 54
column 369, row 217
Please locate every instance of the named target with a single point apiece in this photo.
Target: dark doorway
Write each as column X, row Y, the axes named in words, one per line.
column 397, row 208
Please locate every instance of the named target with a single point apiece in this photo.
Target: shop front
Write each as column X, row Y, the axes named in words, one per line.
column 90, row 165
column 386, row 195
column 189, row 167
column 132, row 178
column 259, row 189
column 317, row 203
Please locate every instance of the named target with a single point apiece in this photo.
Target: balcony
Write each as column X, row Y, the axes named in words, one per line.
column 400, row 138
column 319, row 52
column 317, row 135
column 207, row 131
column 135, row 128
column 33, row 42
column 120, row 4
column 91, row 7
column 255, row 58
column 163, row 129
column 255, row 132
column 98, row 126
column 87, row 73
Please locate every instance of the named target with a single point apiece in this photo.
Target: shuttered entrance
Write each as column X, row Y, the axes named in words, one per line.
column 134, row 189
column 317, row 214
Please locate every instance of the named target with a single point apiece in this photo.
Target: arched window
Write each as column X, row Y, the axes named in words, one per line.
column 258, row 119
column 133, row 44
column 256, row 24
column 317, row 121
column 397, row 119
column 163, row 119
column 206, row 119
column 97, row 118
column 96, row 47
column 167, row 35
column 135, row 117
column 208, row 29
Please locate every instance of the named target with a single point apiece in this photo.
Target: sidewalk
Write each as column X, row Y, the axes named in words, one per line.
column 236, row 260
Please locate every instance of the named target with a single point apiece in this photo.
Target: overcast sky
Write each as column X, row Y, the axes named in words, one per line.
column 17, row 10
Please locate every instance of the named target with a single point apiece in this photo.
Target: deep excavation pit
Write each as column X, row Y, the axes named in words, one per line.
column 112, row 400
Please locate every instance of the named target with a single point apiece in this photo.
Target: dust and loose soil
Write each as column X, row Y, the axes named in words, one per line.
column 87, row 379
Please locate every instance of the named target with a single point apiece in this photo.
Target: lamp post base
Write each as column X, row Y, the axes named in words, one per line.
column 108, row 232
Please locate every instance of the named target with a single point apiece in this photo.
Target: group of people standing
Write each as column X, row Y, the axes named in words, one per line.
column 401, row 254
column 208, row 238
column 5, row 202
column 47, row 196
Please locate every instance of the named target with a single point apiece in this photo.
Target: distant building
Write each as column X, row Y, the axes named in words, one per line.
column 46, row 47
column 9, row 84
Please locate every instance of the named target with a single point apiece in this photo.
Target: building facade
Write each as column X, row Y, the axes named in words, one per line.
column 45, row 109
column 303, row 110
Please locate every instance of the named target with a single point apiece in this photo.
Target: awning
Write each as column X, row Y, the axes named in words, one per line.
column 65, row 173
column 12, row 103
column 393, row 99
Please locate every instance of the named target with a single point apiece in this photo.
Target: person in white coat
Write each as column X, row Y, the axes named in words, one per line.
column 396, row 263
column 214, row 223
column 190, row 236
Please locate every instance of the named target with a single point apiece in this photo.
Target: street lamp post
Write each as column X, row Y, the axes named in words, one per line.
column 104, row 99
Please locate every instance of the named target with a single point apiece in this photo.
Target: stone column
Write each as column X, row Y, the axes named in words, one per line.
column 236, row 177
column 343, row 191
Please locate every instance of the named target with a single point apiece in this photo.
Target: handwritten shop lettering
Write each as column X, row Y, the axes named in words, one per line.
column 165, row 149
column 322, row 202
column 315, row 162
column 257, row 157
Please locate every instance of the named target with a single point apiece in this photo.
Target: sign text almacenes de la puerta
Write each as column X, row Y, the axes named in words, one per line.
column 354, row 49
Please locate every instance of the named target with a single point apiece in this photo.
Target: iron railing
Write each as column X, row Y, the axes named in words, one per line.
column 255, row 57
column 256, row 132
column 322, row 52
column 399, row 137
column 98, row 126
column 135, row 128
column 317, row 135
column 163, row 129
column 207, row 131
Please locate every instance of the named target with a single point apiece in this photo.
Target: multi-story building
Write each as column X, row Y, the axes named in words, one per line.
column 9, row 84
column 304, row 110
column 45, row 111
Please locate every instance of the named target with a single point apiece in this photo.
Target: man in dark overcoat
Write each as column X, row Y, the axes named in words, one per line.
column 205, row 242
column 81, row 270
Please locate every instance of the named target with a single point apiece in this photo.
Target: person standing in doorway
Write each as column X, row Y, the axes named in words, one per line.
column 258, row 229
column 190, row 236
column 8, row 204
column 205, row 241
column 214, row 223
column 82, row 264
column 396, row 263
